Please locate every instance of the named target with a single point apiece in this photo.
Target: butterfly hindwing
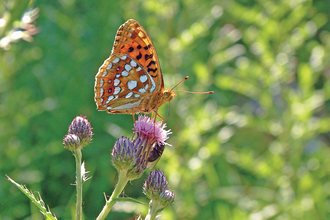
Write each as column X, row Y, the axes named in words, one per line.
column 121, row 84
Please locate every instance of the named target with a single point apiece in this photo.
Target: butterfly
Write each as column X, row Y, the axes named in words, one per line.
column 130, row 80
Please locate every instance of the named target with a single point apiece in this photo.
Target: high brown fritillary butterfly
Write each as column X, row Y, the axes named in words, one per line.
column 130, row 80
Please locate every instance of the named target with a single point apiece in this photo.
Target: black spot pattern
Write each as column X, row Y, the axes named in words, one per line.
column 151, row 62
column 147, row 57
column 139, row 47
column 147, row 47
column 130, row 49
column 152, row 70
column 138, row 57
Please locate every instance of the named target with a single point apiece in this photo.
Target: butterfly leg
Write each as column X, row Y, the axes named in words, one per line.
column 156, row 114
column 168, row 113
column 133, row 115
column 164, row 120
column 134, row 122
column 154, row 117
column 160, row 117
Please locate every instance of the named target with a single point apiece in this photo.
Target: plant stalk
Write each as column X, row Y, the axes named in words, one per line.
column 122, row 181
column 154, row 207
column 78, row 156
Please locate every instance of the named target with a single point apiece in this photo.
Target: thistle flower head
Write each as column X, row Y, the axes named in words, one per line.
column 167, row 198
column 81, row 127
column 135, row 156
column 156, row 189
column 123, row 154
column 71, row 142
column 149, row 134
column 139, row 166
column 155, row 185
column 154, row 130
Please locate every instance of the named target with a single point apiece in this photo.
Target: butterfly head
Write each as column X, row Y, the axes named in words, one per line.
column 169, row 94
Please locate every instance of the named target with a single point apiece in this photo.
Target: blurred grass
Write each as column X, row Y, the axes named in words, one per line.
column 256, row 149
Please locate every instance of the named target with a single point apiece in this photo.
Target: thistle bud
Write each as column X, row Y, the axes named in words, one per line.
column 81, row 127
column 155, row 188
column 123, row 154
column 166, row 198
column 155, row 185
column 71, row 142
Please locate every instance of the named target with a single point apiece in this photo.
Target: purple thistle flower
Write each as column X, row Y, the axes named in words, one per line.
column 156, row 189
column 135, row 156
column 167, row 198
column 139, row 166
column 81, row 127
column 148, row 135
column 155, row 185
column 123, row 154
column 71, row 142
column 153, row 130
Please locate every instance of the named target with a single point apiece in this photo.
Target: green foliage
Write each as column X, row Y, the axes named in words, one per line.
column 257, row 148
column 36, row 201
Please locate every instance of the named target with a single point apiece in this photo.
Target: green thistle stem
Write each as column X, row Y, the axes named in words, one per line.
column 154, row 207
column 122, row 181
column 151, row 216
column 77, row 154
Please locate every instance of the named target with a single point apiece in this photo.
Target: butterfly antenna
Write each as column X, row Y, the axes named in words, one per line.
column 209, row 92
column 180, row 82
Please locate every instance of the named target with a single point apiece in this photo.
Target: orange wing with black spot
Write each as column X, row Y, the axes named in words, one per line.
column 130, row 80
column 133, row 40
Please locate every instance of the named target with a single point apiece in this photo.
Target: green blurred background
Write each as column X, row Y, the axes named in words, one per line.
column 258, row 148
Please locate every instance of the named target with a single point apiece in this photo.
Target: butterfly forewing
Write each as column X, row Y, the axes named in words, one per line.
column 133, row 40
column 130, row 80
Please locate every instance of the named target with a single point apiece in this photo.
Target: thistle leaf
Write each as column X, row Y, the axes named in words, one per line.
column 35, row 200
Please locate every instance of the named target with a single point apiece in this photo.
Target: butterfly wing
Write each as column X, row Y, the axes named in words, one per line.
column 122, row 85
column 133, row 40
column 128, row 78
